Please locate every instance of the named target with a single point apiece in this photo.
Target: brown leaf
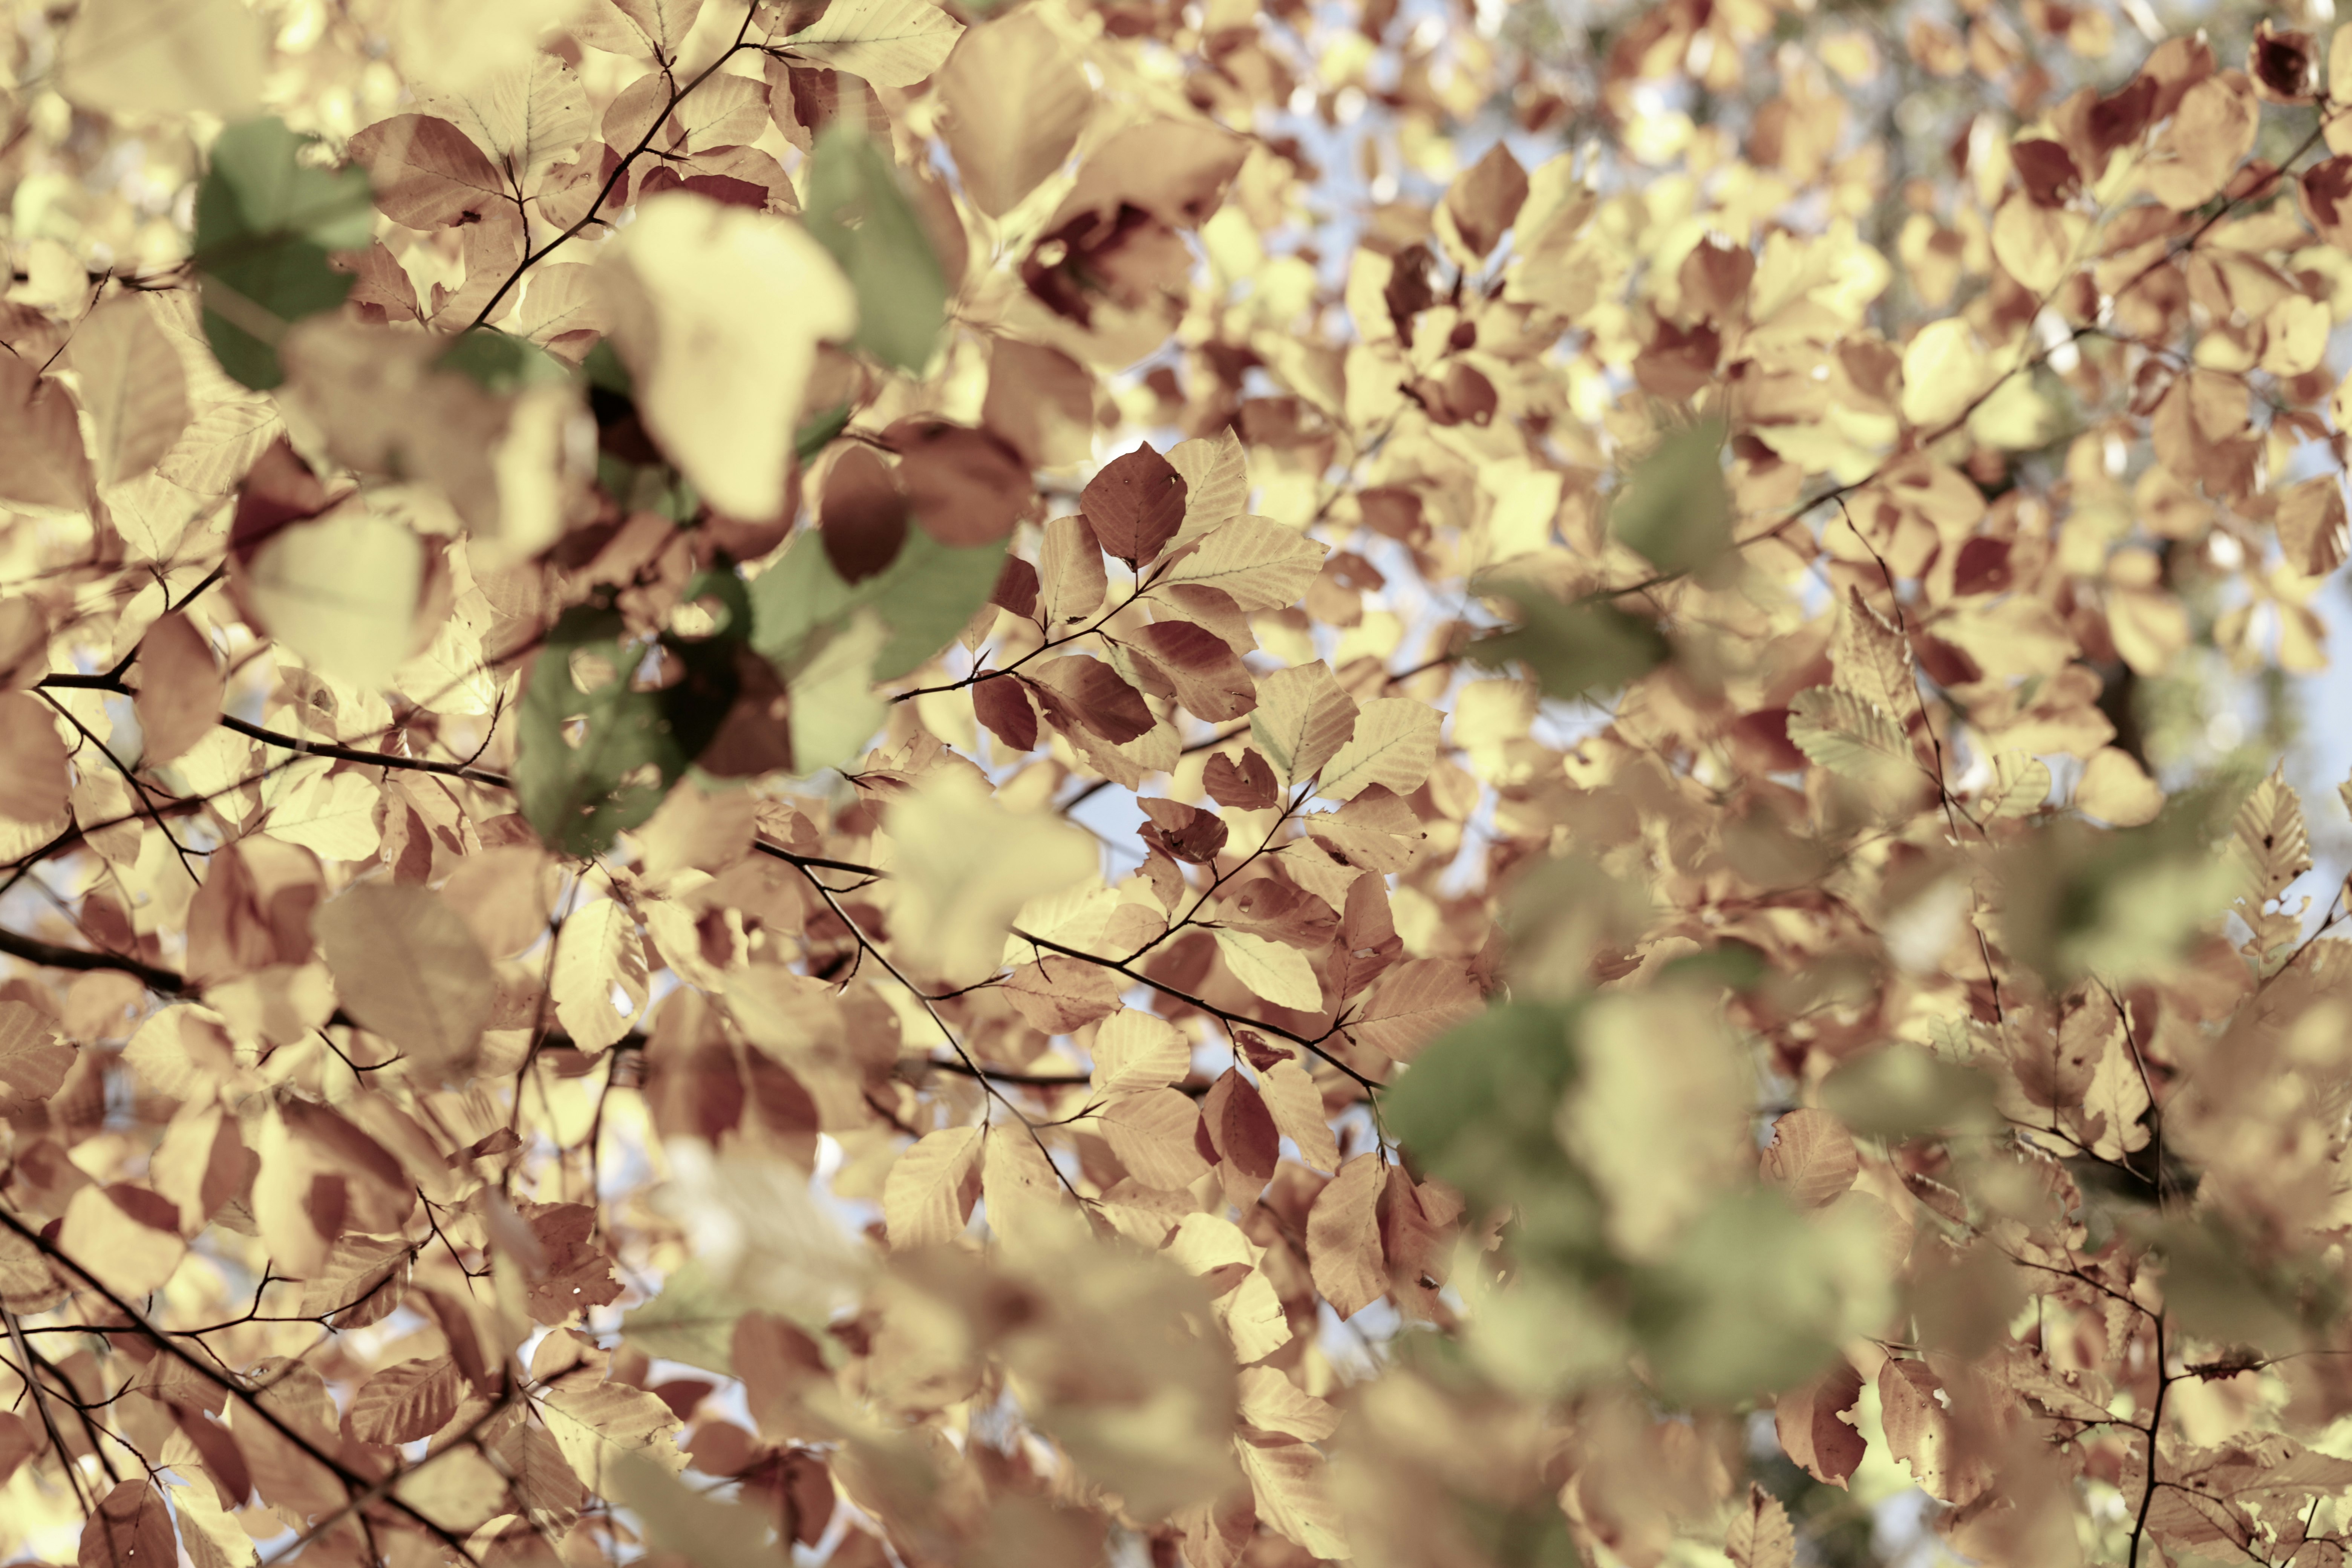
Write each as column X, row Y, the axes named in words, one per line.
column 41, row 459
column 862, row 519
column 33, row 1060
column 33, row 783
column 1058, row 995
column 1002, row 703
column 1807, row 1420
column 1242, row 1133
column 1247, row 785
column 407, row 967
column 180, row 688
column 1136, row 505
column 1184, row 832
column 1210, row 680
column 1343, row 1238
column 405, row 1401
column 1812, row 1157
column 1761, row 1535
column 2312, row 528
column 963, row 486
column 1484, row 199
column 131, row 1529
column 1076, row 691
column 427, row 174
column 1413, row 1004
column 1041, row 402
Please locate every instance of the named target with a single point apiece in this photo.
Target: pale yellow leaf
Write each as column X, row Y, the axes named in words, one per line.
column 1275, row 971
column 133, row 387
column 1297, row 1106
column 890, row 43
column 1262, row 564
column 409, row 968
column 163, row 57
column 964, row 864
column 598, row 954
column 717, row 312
column 1395, row 746
column 927, row 1199
column 341, row 592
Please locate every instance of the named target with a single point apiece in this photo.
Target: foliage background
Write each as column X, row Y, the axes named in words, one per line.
column 1676, row 503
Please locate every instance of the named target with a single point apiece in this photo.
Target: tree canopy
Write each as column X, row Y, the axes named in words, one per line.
column 1098, row 781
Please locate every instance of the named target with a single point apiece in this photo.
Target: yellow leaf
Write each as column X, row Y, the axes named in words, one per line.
column 717, row 312
column 163, row 57
column 1302, row 719
column 341, row 592
column 1297, row 1106
column 1155, row 1132
column 1395, row 746
column 597, row 953
column 928, row 1200
column 134, row 1255
column 132, row 386
column 2115, row 789
column 602, row 1425
column 1259, row 562
column 1016, row 102
column 1136, row 1050
column 407, row 968
column 1275, row 971
column 890, row 43
column 1943, row 370
column 965, row 865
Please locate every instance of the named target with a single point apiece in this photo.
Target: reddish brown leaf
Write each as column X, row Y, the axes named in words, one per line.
column 1209, row 677
column 1812, row 1435
column 1136, row 505
column 862, row 517
column 1088, row 692
column 1241, row 1131
column 964, row 486
column 425, row 172
column 1248, row 786
column 1002, row 703
column 131, row 1529
column 1185, row 832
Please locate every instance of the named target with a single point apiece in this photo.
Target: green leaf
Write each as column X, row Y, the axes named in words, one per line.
column 924, row 597
column 692, row 1321
column 1572, row 649
column 1674, row 508
column 858, row 210
column 1478, row 1106
column 815, row 434
column 501, row 362
column 1847, row 736
column 596, row 759
column 265, row 224
column 1906, row 1090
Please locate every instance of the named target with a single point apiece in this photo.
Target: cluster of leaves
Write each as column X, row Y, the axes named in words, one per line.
column 840, row 781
